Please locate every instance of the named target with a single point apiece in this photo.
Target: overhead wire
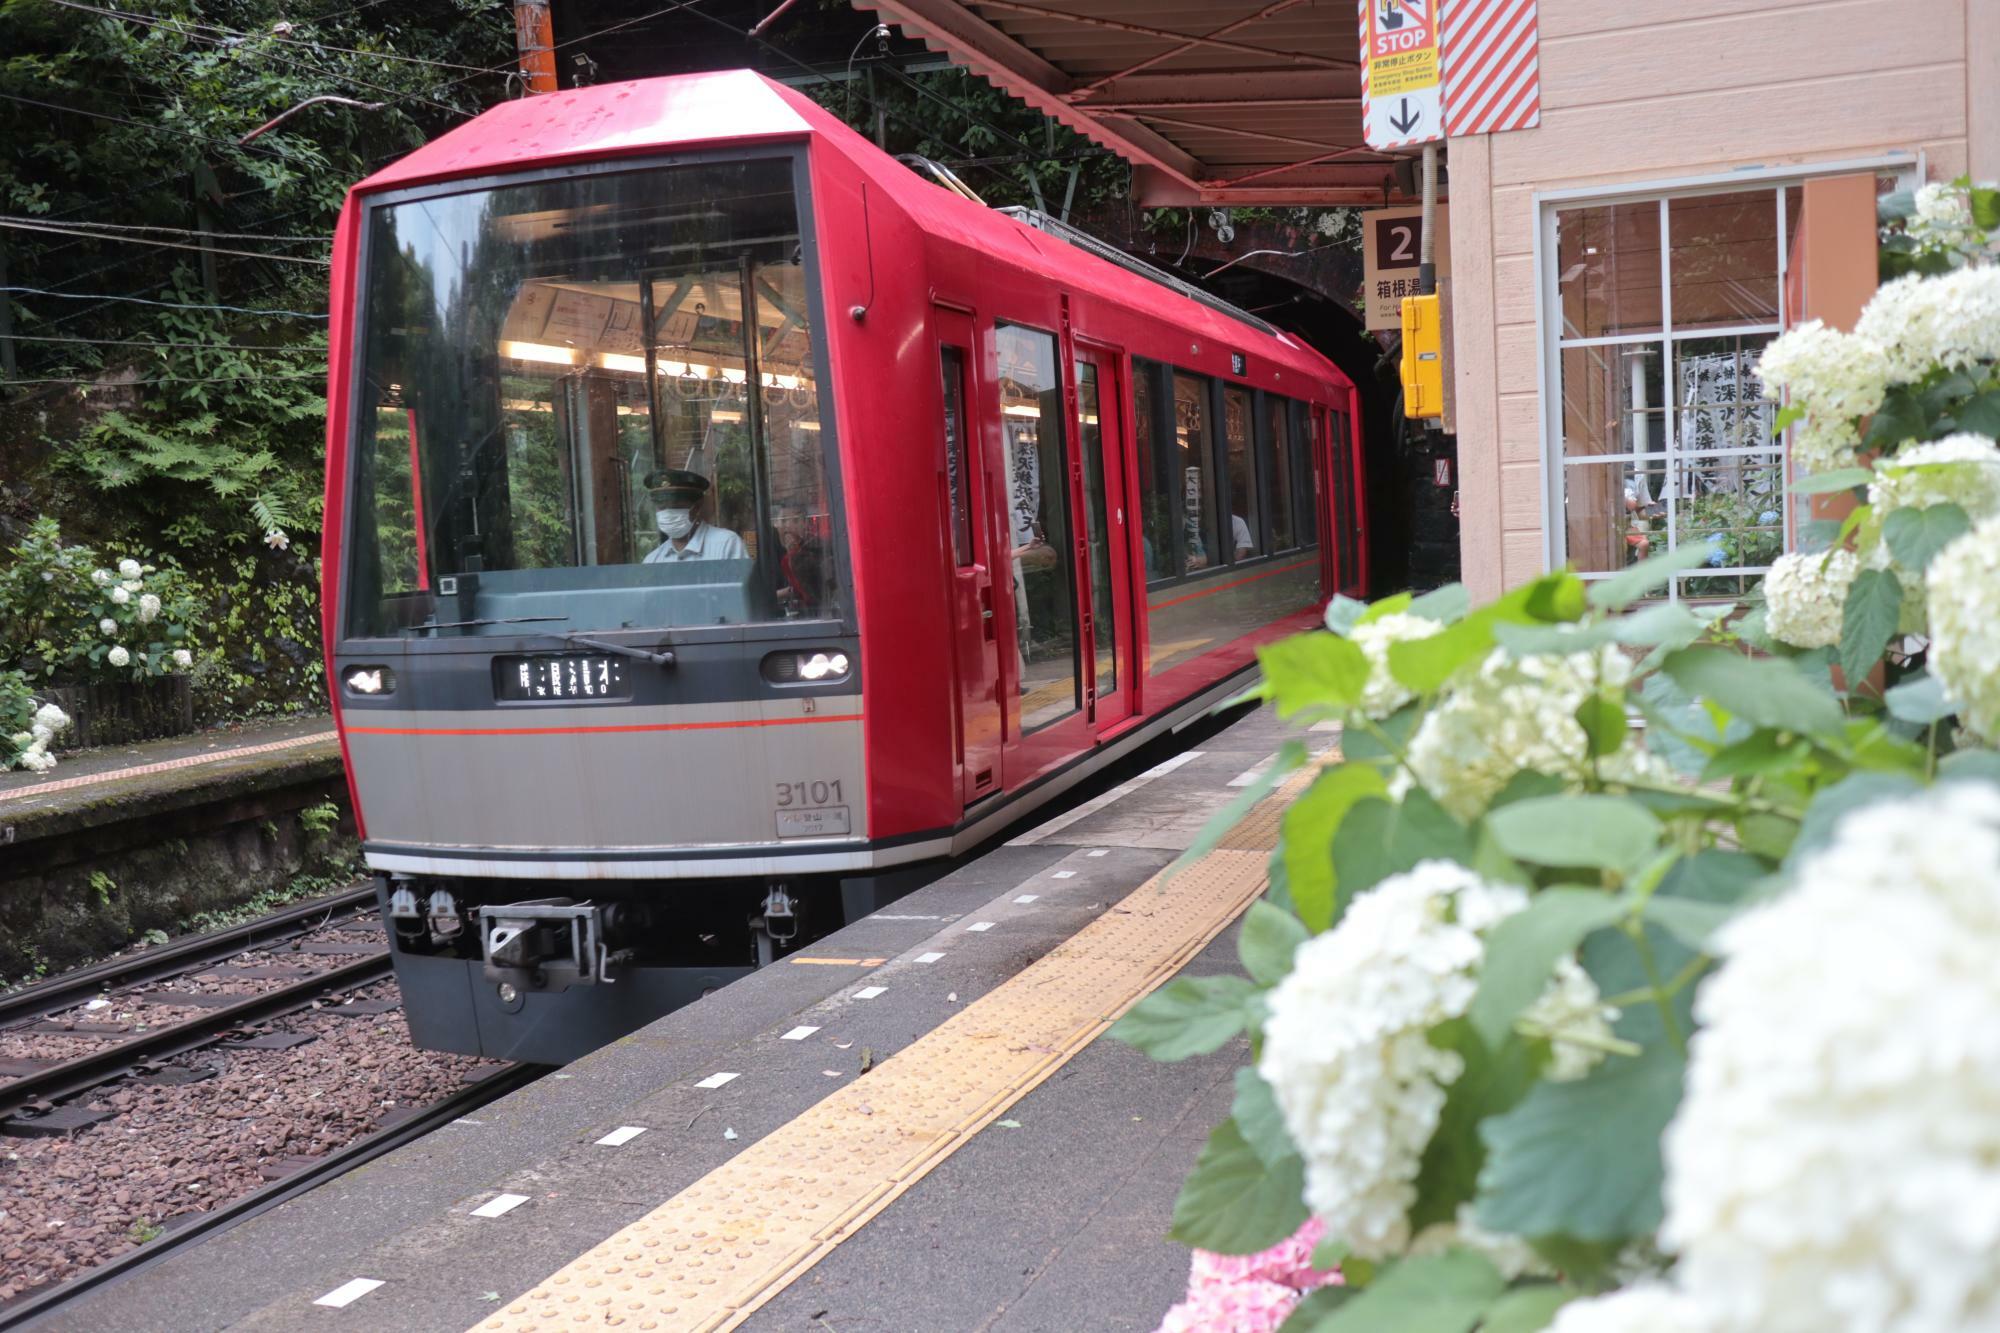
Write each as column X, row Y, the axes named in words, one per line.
column 168, row 379
column 169, row 305
column 281, row 38
column 15, row 224
column 177, row 231
column 151, row 342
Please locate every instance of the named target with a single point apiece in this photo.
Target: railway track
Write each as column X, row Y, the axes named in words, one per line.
column 34, row 1088
column 23, row 1311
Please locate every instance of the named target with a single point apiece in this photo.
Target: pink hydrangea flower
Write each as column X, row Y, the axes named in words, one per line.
column 1249, row 1293
column 1240, row 1307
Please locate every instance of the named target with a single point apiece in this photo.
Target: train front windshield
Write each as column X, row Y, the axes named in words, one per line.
column 591, row 403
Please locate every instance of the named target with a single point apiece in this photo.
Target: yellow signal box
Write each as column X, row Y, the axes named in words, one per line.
column 1423, row 357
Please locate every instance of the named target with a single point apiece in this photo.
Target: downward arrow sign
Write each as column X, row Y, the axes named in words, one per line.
column 1406, row 119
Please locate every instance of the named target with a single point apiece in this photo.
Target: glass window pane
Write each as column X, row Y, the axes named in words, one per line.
column 1279, row 467
column 1193, row 445
column 1723, row 260
column 1608, row 270
column 1045, row 638
column 1611, row 516
column 1096, row 529
column 1245, row 531
column 1158, row 488
column 611, row 400
column 952, row 364
column 1613, row 401
column 1718, row 398
column 1735, row 505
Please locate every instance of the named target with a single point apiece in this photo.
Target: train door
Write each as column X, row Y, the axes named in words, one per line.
column 963, row 485
column 1108, row 619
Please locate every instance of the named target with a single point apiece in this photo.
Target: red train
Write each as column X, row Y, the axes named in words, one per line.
column 721, row 515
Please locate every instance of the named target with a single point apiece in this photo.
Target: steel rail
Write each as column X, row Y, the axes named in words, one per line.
column 210, row 1224
column 85, row 983
column 94, row 1067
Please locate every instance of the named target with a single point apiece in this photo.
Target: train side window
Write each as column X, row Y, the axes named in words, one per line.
column 1038, row 514
column 1159, row 503
column 952, row 364
column 1195, row 474
column 1275, row 444
column 1245, row 532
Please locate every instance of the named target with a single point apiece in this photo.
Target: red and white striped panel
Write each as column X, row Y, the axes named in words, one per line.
column 1490, row 59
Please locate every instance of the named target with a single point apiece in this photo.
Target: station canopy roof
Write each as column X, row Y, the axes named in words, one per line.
column 1246, row 102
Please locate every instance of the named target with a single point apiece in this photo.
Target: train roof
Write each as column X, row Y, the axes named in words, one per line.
column 742, row 108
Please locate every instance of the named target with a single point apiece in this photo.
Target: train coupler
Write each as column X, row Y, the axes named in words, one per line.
column 548, row 944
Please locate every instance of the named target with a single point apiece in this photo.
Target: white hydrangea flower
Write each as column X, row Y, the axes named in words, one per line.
column 120, row 596
column 37, row 760
column 1943, row 218
column 22, row 738
column 118, row 656
column 40, row 734
column 1571, row 1008
column 52, row 717
column 1647, row 1307
column 149, row 607
column 1835, row 1161
column 1804, row 595
column 183, row 658
column 1827, row 372
column 1512, row 715
column 103, row 578
column 1384, row 693
column 1961, row 469
column 1962, row 586
column 128, row 569
column 107, row 626
column 277, row 539
column 1347, row 1051
column 48, row 576
column 1922, row 323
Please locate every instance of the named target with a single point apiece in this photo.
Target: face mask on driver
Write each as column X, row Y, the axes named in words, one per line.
column 676, row 523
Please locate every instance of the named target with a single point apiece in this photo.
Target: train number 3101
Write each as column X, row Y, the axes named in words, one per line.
column 807, row 794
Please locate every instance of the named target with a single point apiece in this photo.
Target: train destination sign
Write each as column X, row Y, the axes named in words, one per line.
column 1401, row 98
column 560, row 676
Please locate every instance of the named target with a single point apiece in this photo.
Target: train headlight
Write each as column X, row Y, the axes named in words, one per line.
column 821, row 666
column 368, row 681
column 816, row 666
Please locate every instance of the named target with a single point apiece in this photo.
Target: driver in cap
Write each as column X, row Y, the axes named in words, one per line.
column 678, row 498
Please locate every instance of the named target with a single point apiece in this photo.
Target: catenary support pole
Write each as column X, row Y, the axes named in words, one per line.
column 1427, row 238
column 534, row 38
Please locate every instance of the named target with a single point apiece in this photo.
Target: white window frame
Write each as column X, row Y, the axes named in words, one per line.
column 1908, row 168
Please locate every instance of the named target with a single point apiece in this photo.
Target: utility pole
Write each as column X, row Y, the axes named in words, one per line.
column 1427, row 238
column 534, row 38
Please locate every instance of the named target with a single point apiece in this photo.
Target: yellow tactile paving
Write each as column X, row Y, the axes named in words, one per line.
column 712, row 1254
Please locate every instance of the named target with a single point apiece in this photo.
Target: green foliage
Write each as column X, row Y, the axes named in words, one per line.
column 317, row 819
column 1236, row 1202
column 68, row 615
column 1444, row 1293
column 1188, row 1017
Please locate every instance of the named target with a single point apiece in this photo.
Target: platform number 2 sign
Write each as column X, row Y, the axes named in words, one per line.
column 1393, row 240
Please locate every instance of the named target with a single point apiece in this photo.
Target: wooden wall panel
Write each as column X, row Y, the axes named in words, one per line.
column 1475, row 368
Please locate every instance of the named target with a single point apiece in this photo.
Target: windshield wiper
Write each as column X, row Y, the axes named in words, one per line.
column 494, row 620
column 664, row 658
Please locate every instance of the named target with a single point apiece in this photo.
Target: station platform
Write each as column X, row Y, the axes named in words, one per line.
column 914, row 1124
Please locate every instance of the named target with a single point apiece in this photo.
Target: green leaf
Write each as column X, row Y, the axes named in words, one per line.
column 1493, row 1079
column 1785, row 417
column 1525, row 640
column 1919, row 699
column 1233, row 1202
column 1839, row 479
column 1867, row 622
column 1425, row 664
column 1522, row 951
column 1629, row 585
column 1759, row 753
column 1314, row 670
column 1343, row 613
column 1359, row 745
column 1388, row 606
column 1259, row 1120
column 1603, row 719
column 1985, row 207
column 1290, row 755
column 1305, row 847
column 1188, row 1016
column 1980, row 414
column 1583, row 1158
column 1834, row 803
column 1667, row 625
column 1444, row 1293
column 1916, row 535
column 1527, row 1309
column 1317, row 1305
column 1895, row 206
column 1380, row 838
column 1970, row 766
column 1901, row 417
column 1606, row 832
column 1269, row 938
column 1443, row 605
column 1690, row 922
column 1765, row 692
